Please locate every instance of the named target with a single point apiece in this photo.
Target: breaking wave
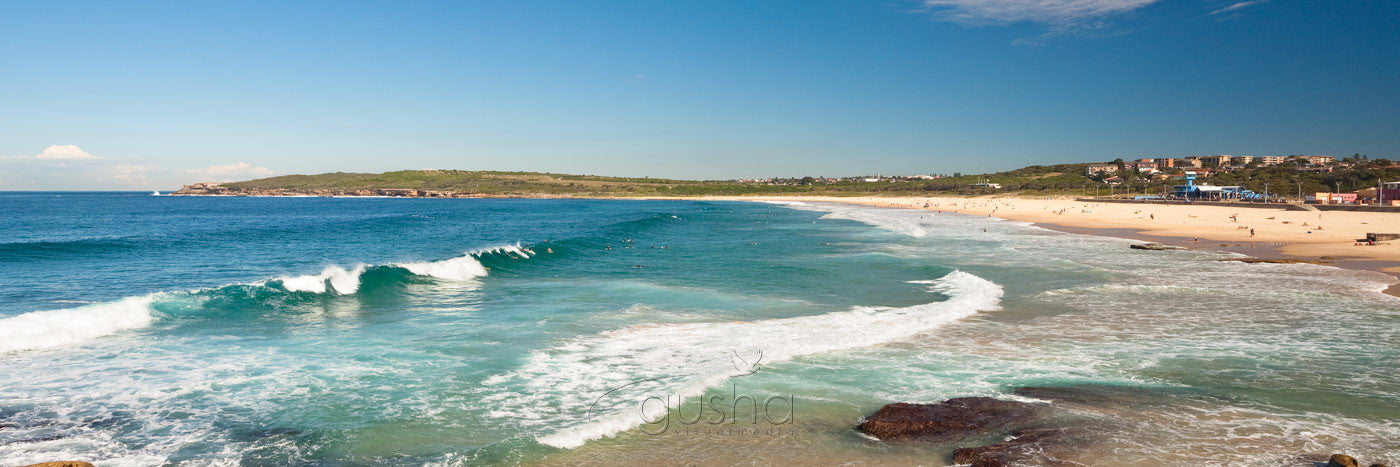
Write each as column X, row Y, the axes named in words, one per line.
column 70, row 326
column 683, row 360
column 874, row 217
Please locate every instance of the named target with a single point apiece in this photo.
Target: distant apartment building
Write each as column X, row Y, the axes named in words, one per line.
column 1272, row 160
column 1242, row 160
column 1321, row 160
column 1189, row 163
column 1146, row 166
column 1218, row 161
column 1101, row 168
column 1165, row 163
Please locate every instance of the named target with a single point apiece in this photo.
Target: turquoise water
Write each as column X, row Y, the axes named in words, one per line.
column 143, row 330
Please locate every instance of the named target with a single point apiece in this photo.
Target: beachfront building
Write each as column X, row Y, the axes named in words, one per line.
column 1191, row 191
column 1387, row 194
column 1332, row 198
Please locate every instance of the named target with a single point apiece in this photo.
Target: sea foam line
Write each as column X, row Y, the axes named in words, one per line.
column 70, row 326
column 563, row 385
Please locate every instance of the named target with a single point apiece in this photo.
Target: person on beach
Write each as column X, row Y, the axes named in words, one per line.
column 1251, row 232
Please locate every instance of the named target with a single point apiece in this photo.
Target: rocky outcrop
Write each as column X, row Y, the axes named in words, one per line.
column 949, row 420
column 204, row 189
column 61, row 464
column 216, row 189
column 1154, row 246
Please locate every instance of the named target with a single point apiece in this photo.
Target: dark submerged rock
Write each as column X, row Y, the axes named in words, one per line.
column 1154, row 246
column 1038, row 446
column 1095, row 395
column 948, row 420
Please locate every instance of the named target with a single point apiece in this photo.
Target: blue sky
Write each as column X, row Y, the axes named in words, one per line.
column 126, row 95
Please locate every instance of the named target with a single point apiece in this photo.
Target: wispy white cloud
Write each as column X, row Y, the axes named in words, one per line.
column 227, row 172
column 133, row 175
column 1236, row 6
column 1056, row 13
column 64, row 151
column 76, row 172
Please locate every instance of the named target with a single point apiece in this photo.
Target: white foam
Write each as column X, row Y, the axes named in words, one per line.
column 459, row 269
column 462, row 268
column 342, row 281
column 686, row 359
column 345, row 282
column 888, row 219
column 55, row 328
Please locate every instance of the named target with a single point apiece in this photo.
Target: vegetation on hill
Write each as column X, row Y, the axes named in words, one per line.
column 1039, row 180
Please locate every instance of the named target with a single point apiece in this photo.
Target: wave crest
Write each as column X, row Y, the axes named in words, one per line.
column 70, row 326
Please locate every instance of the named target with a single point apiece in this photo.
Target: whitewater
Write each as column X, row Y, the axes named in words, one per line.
column 69, row 326
column 147, row 330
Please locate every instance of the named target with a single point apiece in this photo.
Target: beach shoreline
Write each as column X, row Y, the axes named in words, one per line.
column 1270, row 234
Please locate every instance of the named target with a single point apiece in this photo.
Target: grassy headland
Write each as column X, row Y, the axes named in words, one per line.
column 1039, row 180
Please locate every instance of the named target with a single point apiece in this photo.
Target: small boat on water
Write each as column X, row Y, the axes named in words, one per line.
column 155, row 193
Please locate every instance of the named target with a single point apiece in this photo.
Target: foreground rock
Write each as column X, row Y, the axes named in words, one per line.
column 1037, row 446
column 948, row 420
column 1342, row 460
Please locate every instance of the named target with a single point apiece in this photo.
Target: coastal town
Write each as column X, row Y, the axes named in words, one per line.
column 1346, row 180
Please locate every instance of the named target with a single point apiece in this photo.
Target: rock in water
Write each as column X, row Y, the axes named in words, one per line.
column 951, row 419
column 1154, row 246
column 1028, row 447
column 1342, row 460
column 61, row 464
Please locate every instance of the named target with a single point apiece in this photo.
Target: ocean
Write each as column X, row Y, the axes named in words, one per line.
column 158, row 330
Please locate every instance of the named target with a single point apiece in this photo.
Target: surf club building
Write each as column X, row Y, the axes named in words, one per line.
column 1191, row 191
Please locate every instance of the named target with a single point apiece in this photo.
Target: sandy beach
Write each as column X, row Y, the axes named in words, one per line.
column 1325, row 236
